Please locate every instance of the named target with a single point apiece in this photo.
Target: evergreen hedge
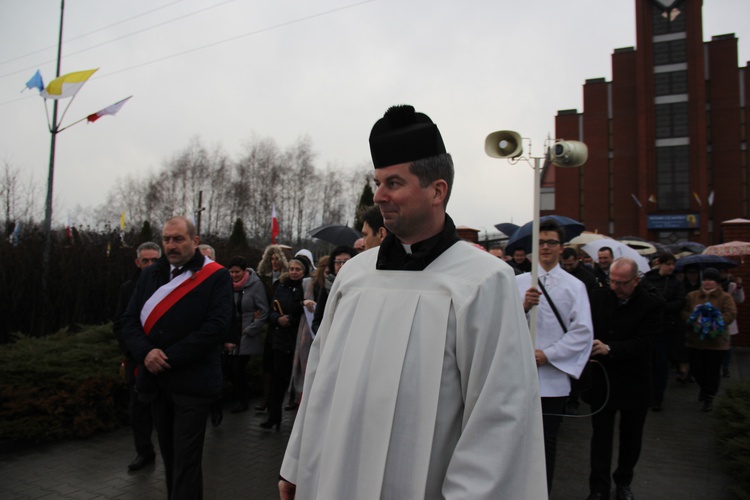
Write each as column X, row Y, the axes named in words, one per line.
column 733, row 431
column 65, row 385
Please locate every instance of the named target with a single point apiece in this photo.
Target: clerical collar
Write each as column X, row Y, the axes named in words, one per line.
column 394, row 256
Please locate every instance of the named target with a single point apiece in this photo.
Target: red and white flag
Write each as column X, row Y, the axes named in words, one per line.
column 274, row 224
column 109, row 110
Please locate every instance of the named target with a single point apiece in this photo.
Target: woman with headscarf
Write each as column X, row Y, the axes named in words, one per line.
column 708, row 310
column 312, row 286
column 284, row 319
column 250, row 313
column 270, row 268
column 336, row 260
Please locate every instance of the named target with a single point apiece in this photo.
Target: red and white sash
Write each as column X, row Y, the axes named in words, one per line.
column 170, row 293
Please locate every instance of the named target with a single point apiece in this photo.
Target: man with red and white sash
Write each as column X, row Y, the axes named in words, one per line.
column 174, row 326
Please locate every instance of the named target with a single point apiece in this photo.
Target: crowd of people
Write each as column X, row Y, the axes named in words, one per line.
column 407, row 356
column 644, row 326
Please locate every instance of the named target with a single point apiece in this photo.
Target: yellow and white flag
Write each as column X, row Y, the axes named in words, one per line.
column 67, row 85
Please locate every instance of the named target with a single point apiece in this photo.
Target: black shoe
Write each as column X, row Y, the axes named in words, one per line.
column 216, row 417
column 624, row 493
column 708, row 405
column 598, row 496
column 268, row 424
column 656, row 407
column 725, row 373
column 239, row 407
column 141, row 461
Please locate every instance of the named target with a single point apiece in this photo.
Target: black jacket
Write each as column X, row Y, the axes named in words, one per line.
column 673, row 293
column 190, row 333
column 289, row 296
column 629, row 330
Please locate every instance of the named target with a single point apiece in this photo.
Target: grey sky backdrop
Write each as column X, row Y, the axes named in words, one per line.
column 223, row 70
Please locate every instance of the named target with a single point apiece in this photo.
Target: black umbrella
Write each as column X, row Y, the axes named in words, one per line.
column 337, row 234
column 507, row 228
column 522, row 237
column 703, row 261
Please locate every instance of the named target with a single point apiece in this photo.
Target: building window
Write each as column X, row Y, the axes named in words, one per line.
column 673, row 178
column 668, row 21
column 672, row 120
column 671, row 83
column 671, row 52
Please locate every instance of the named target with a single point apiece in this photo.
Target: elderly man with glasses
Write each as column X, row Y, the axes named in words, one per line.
column 627, row 319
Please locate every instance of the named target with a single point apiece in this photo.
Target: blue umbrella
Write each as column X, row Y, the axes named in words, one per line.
column 507, row 228
column 522, row 237
column 703, row 261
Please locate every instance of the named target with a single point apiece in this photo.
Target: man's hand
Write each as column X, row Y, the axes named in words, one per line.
column 599, row 348
column 309, row 304
column 286, row 490
column 283, row 321
column 541, row 358
column 229, row 346
column 156, row 361
column 531, row 299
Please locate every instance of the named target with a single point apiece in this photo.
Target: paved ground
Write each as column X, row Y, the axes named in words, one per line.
column 680, row 458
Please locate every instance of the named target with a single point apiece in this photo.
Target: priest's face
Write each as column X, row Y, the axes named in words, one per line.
column 179, row 247
column 407, row 207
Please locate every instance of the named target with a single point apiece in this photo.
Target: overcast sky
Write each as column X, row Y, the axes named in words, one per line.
column 222, row 70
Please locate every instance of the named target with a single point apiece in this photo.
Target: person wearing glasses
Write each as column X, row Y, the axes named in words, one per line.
column 140, row 413
column 340, row 256
column 563, row 332
column 627, row 320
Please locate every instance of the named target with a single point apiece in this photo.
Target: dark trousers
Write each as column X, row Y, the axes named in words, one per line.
column 552, row 411
column 660, row 367
column 282, row 374
column 142, row 424
column 238, row 375
column 631, row 436
column 705, row 365
column 181, row 427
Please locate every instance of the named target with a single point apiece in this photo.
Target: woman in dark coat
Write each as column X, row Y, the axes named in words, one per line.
column 336, row 260
column 270, row 268
column 284, row 318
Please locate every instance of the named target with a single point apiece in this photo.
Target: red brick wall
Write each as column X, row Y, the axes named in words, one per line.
column 726, row 156
column 596, row 170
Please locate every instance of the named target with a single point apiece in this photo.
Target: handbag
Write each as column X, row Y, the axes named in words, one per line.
column 583, row 382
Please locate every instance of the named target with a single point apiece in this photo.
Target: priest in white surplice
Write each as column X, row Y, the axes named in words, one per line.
column 421, row 382
column 563, row 338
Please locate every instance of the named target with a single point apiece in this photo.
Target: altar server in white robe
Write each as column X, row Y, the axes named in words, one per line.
column 563, row 345
column 421, row 382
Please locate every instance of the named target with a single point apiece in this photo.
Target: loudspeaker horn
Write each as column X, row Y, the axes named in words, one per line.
column 568, row 153
column 503, row 144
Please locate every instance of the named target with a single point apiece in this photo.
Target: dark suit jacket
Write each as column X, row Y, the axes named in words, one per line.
column 190, row 333
column 629, row 330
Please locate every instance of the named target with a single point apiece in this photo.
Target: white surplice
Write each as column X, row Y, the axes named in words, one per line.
column 420, row 384
column 567, row 353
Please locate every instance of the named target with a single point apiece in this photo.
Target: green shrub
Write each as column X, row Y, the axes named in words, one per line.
column 733, row 431
column 61, row 386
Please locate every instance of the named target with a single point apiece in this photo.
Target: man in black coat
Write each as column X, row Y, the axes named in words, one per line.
column 627, row 318
column 174, row 326
column 140, row 413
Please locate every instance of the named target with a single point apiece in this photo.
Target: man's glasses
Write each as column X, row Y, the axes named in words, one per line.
column 549, row 243
column 622, row 283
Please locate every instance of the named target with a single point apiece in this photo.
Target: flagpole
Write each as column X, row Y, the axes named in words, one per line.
column 50, row 179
